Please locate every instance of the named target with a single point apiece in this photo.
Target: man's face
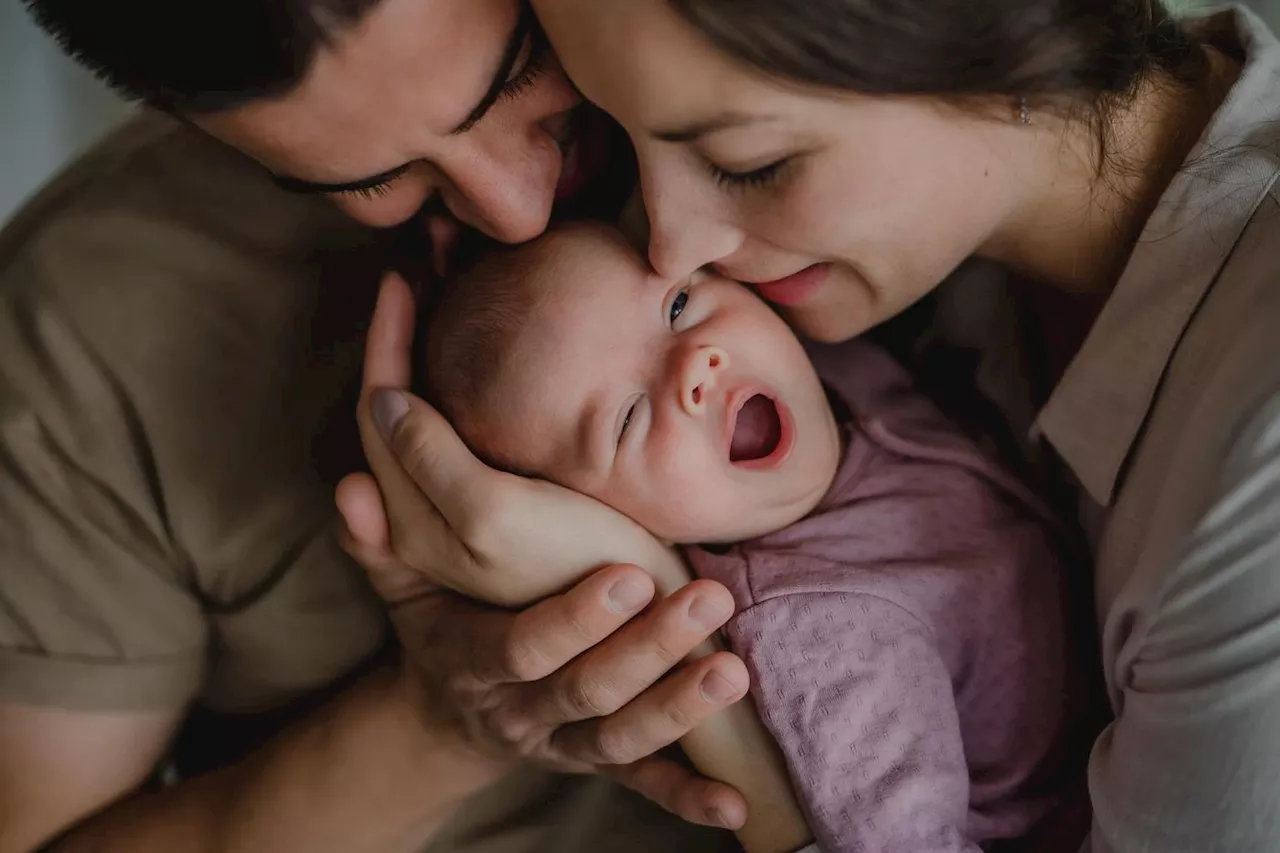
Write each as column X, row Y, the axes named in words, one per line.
column 457, row 100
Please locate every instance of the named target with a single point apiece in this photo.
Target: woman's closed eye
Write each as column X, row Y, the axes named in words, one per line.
column 757, row 178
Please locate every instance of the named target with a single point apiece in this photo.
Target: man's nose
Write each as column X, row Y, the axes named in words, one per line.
column 506, row 191
column 509, row 213
column 700, row 370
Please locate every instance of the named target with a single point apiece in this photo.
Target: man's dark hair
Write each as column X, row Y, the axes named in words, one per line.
column 197, row 56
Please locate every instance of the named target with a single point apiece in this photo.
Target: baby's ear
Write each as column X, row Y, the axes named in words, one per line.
column 634, row 223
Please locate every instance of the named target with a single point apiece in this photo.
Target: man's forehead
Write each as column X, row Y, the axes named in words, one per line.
column 635, row 58
column 385, row 93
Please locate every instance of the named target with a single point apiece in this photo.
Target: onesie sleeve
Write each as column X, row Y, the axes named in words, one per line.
column 855, row 693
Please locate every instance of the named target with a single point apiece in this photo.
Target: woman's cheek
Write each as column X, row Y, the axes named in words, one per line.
column 841, row 310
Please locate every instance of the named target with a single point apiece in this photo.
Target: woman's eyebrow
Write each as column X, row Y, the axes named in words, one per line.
column 702, row 127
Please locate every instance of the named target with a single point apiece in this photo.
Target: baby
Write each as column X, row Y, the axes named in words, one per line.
column 900, row 598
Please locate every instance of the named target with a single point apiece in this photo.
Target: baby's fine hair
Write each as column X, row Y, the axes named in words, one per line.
column 470, row 325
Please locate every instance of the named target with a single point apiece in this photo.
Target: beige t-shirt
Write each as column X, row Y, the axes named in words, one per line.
column 176, row 337
column 1168, row 420
column 164, row 534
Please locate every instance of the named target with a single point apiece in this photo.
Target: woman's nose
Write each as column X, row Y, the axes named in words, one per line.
column 699, row 373
column 685, row 233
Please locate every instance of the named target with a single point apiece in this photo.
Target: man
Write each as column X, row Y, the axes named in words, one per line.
column 177, row 324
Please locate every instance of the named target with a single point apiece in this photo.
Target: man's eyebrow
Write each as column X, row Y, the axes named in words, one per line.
column 519, row 33
column 697, row 129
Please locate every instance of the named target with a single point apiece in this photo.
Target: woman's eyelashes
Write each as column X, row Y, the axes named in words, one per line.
column 761, row 177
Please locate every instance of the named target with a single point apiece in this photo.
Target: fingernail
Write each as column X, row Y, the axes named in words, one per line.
column 719, row 818
column 706, row 614
column 716, row 689
column 628, row 595
column 388, row 408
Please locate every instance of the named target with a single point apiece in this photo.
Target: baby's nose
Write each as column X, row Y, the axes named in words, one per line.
column 702, row 368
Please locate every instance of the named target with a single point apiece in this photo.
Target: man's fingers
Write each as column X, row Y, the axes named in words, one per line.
column 387, row 372
column 390, row 341
column 548, row 635
column 437, row 461
column 682, row 792
column 658, row 717
column 360, row 503
column 616, row 671
column 364, row 537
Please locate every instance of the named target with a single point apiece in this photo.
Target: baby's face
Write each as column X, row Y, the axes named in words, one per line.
column 688, row 405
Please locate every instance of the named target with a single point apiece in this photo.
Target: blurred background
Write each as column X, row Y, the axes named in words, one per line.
column 50, row 109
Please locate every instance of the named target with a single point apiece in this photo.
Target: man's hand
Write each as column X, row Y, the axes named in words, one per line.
column 572, row 681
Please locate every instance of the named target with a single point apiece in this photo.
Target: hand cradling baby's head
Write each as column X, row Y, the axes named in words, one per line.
column 688, row 405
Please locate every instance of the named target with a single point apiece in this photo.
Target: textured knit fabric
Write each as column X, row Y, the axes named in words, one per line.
column 909, row 641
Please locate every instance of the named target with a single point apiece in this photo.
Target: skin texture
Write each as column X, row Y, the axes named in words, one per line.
column 367, row 773
column 887, row 194
column 392, row 91
column 607, row 345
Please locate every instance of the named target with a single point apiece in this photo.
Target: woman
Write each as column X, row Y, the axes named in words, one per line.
column 846, row 157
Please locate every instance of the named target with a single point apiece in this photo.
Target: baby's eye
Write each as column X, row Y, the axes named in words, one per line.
column 678, row 304
column 626, row 422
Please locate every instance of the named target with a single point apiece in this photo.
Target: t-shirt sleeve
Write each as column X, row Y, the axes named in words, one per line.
column 94, row 610
column 855, row 693
column 1192, row 760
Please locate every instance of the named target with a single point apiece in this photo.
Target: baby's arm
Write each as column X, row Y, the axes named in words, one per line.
column 853, row 689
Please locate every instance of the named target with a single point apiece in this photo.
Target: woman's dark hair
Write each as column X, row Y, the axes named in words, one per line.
column 1068, row 55
column 198, row 55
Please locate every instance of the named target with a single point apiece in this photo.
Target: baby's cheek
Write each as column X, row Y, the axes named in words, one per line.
column 684, row 503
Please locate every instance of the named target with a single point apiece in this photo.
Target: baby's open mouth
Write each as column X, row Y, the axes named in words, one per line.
column 757, row 431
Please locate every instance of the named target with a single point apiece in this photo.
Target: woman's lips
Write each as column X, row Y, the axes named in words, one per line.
column 795, row 288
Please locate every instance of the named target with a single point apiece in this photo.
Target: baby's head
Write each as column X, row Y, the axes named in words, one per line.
column 687, row 405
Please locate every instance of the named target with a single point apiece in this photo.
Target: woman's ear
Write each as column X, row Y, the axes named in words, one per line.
column 634, row 223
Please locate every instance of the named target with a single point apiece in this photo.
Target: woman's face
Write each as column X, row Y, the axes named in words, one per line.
column 841, row 209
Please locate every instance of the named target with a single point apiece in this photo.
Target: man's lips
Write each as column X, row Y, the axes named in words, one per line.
column 572, row 175
column 768, row 426
column 573, row 136
column 795, row 288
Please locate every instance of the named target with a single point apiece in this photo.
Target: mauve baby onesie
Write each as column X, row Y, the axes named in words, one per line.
column 909, row 642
